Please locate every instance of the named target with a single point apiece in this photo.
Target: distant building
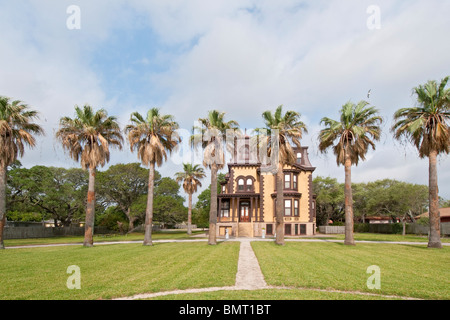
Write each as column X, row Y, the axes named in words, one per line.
column 444, row 214
column 381, row 219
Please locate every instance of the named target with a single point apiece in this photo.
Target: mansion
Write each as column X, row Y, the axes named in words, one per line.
column 246, row 200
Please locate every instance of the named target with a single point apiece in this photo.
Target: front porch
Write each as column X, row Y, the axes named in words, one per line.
column 239, row 208
column 240, row 229
column 257, row 229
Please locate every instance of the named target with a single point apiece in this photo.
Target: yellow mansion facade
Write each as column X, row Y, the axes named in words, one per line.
column 246, row 200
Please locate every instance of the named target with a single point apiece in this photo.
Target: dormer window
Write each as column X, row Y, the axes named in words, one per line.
column 299, row 157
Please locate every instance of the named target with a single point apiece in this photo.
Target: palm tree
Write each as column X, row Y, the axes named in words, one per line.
column 210, row 135
column 152, row 137
column 350, row 138
column 17, row 129
column 427, row 126
column 190, row 176
column 88, row 137
column 288, row 127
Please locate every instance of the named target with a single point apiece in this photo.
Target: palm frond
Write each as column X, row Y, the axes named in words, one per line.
column 358, row 128
column 426, row 126
column 153, row 137
column 17, row 129
column 89, row 135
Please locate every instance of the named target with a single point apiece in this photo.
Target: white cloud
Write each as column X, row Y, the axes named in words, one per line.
column 242, row 57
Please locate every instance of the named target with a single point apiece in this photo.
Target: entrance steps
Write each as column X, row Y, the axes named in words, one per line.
column 245, row 229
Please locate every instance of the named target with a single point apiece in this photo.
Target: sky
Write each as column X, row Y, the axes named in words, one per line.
column 242, row 57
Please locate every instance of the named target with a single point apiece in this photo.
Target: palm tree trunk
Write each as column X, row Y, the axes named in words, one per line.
column 2, row 204
column 189, row 226
column 149, row 210
column 90, row 210
column 280, row 207
column 434, row 240
column 213, row 208
column 348, row 202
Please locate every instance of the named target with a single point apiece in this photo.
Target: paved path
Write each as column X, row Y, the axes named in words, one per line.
column 249, row 275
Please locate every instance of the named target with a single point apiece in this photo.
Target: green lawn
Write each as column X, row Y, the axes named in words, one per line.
column 115, row 270
column 118, row 270
column 137, row 236
column 406, row 270
column 385, row 237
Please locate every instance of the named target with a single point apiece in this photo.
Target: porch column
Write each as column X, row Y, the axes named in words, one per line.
column 256, row 209
column 220, row 210
column 238, row 213
column 251, row 209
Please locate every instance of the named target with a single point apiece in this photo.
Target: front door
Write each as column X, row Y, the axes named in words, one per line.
column 245, row 212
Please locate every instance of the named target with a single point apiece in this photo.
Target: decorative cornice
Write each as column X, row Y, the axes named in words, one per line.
column 243, row 165
column 297, row 168
column 312, row 169
column 238, row 195
column 288, row 194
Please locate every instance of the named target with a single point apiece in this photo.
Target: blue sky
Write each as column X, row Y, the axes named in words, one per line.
column 239, row 56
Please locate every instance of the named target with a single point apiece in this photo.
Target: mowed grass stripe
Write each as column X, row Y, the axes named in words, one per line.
column 116, row 270
column 406, row 270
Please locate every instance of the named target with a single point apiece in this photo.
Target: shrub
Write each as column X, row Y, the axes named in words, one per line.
column 110, row 218
column 423, row 221
column 361, row 227
column 397, row 228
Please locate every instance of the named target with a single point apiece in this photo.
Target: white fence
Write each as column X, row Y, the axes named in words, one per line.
column 411, row 228
column 332, row 229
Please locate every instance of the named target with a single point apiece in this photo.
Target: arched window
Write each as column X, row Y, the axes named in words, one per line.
column 241, row 184
column 249, row 185
column 245, row 184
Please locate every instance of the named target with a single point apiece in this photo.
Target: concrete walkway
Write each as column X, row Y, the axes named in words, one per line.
column 249, row 275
